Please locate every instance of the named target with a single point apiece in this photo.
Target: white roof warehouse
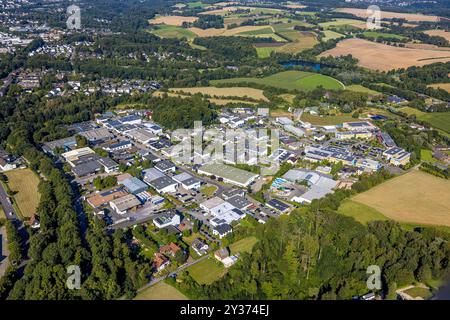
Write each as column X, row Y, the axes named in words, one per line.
column 229, row 174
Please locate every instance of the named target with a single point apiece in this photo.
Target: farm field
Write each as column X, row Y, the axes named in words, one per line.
column 343, row 22
column 331, row 35
column 206, row 271
column 443, row 86
column 441, row 33
column 415, row 197
column 410, row 17
column 25, row 183
column 374, row 34
column 197, row 4
column 240, row 92
column 326, row 120
column 218, row 101
column 243, row 245
column 168, row 31
column 300, row 41
column 290, row 80
column 439, row 120
column 382, row 57
column 212, row 32
column 360, row 88
column 172, row 20
column 264, row 52
column 161, row 291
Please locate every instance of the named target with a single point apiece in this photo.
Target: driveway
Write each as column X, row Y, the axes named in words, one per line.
column 7, row 205
column 4, row 253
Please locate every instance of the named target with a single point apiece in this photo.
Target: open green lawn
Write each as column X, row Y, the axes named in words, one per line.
column 419, row 292
column 374, row 34
column 161, row 291
column 168, row 31
column 206, row 271
column 208, row 190
column 257, row 31
column 439, row 120
column 290, row 80
column 243, row 245
column 327, row 120
column 426, row 155
column 197, row 4
column 360, row 212
column 264, row 52
column 331, row 35
column 360, row 88
column 25, row 183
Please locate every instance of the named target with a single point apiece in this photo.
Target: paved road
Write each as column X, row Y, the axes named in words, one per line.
column 7, row 205
column 4, row 253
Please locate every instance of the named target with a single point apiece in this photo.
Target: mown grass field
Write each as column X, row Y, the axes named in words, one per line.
column 439, row 120
column 419, row 292
column 360, row 88
column 290, row 80
column 243, row 245
column 25, row 182
column 376, row 35
column 161, row 291
column 264, row 52
column 206, row 271
column 331, row 35
column 169, row 31
column 197, row 4
column 326, row 120
column 415, row 197
column 360, row 212
column 342, row 22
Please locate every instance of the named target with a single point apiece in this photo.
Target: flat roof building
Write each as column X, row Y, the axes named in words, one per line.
column 229, row 174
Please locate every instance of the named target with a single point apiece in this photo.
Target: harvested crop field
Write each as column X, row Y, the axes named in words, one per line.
column 440, row 33
column 382, row 57
column 300, row 41
column 410, row 17
column 444, row 86
column 172, row 20
column 415, row 197
column 160, row 291
column 240, row 92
